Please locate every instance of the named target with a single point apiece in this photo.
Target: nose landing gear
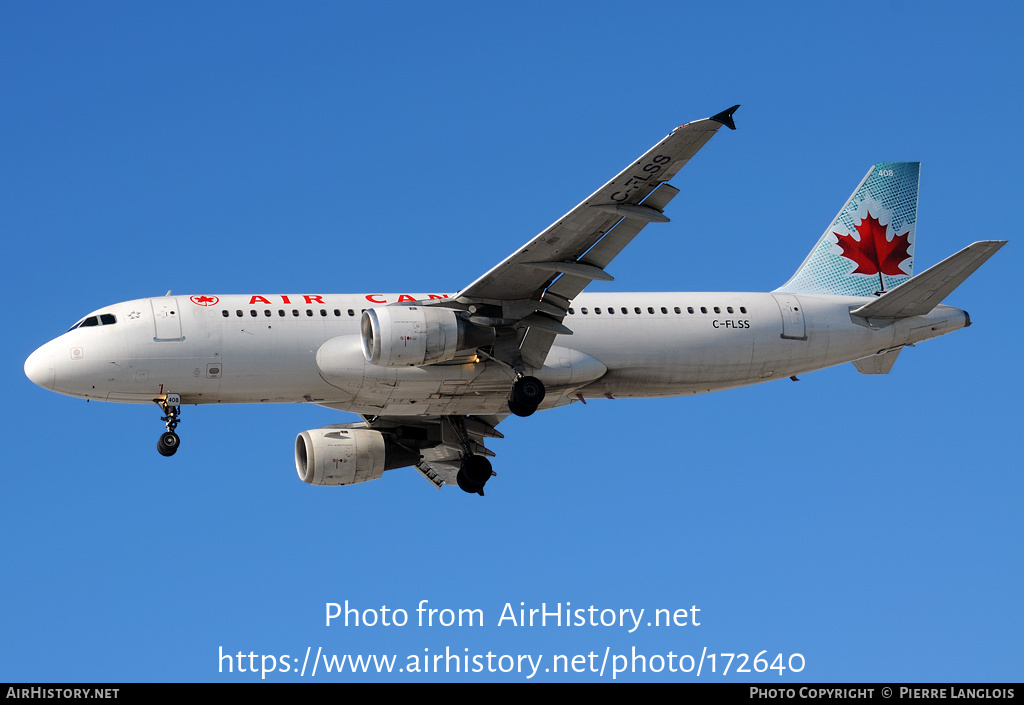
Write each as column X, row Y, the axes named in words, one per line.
column 169, row 442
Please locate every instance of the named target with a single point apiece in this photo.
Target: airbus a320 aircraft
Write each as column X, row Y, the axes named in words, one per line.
column 432, row 375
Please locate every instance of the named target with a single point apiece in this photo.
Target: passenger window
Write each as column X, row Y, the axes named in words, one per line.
column 309, row 312
column 323, row 312
column 729, row 309
column 337, row 312
column 280, row 312
column 238, row 313
column 295, row 312
column 636, row 309
column 678, row 310
column 703, row 309
column 743, row 309
column 689, row 309
column 717, row 310
column 597, row 310
column 664, row 310
column 351, row 312
column 650, row 309
column 267, row 313
column 583, row 311
column 225, row 313
column 253, row 313
column 624, row 309
column 571, row 312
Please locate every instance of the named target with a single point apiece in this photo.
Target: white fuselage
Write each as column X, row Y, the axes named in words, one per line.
column 296, row 348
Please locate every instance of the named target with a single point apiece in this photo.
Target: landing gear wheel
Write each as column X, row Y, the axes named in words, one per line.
column 527, row 394
column 519, row 409
column 528, row 391
column 468, row 486
column 474, row 474
column 477, row 469
column 168, row 444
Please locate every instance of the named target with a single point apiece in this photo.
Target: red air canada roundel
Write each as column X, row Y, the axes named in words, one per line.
column 205, row 300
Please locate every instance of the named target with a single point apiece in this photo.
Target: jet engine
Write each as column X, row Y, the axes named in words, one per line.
column 407, row 336
column 344, row 456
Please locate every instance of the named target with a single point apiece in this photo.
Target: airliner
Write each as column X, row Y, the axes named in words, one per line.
column 432, row 375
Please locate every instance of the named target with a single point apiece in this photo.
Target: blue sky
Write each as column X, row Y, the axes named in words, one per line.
column 871, row 524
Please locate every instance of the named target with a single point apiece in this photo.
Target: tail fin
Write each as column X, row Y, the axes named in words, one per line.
column 868, row 247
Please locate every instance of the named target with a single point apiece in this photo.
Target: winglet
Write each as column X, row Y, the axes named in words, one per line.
column 725, row 117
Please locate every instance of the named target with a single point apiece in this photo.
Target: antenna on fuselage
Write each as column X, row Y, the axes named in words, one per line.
column 168, row 293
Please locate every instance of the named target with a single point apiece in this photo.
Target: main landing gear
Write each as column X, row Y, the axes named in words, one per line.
column 169, row 442
column 474, row 474
column 475, row 469
column 526, row 395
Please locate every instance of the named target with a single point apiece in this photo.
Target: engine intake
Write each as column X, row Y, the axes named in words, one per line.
column 407, row 336
column 345, row 456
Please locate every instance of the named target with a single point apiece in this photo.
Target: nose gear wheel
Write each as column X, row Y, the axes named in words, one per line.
column 168, row 443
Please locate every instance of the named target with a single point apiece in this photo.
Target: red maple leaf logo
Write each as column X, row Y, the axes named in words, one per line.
column 874, row 253
column 205, row 300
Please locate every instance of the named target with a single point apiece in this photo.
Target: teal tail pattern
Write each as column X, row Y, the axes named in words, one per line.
column 869, row 246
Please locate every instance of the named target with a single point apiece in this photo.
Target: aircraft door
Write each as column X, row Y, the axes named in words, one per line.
column 792, row 317
column 166, row 319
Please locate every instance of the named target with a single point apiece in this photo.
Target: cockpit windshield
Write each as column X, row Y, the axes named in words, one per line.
column 104, row 319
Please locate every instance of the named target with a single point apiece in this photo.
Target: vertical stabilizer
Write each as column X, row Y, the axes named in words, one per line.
column 869, row 247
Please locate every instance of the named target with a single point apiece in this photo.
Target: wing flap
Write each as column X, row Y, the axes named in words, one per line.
column 535, row 346
column 438, row 473
column 609, row 246
column 536, row 343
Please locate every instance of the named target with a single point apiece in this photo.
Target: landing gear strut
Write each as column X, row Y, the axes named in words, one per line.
column 169, row 442
column 527, row 394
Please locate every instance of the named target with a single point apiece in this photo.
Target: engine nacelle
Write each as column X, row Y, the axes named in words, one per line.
column 344, row 456
column 408, row 336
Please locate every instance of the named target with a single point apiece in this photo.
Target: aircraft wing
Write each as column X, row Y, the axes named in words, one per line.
column 531, row 290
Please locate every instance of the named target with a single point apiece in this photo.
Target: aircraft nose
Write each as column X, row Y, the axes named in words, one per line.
column 39, row 367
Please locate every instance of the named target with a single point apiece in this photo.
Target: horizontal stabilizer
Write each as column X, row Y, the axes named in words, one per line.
column 877, row 364
column 919, row 295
